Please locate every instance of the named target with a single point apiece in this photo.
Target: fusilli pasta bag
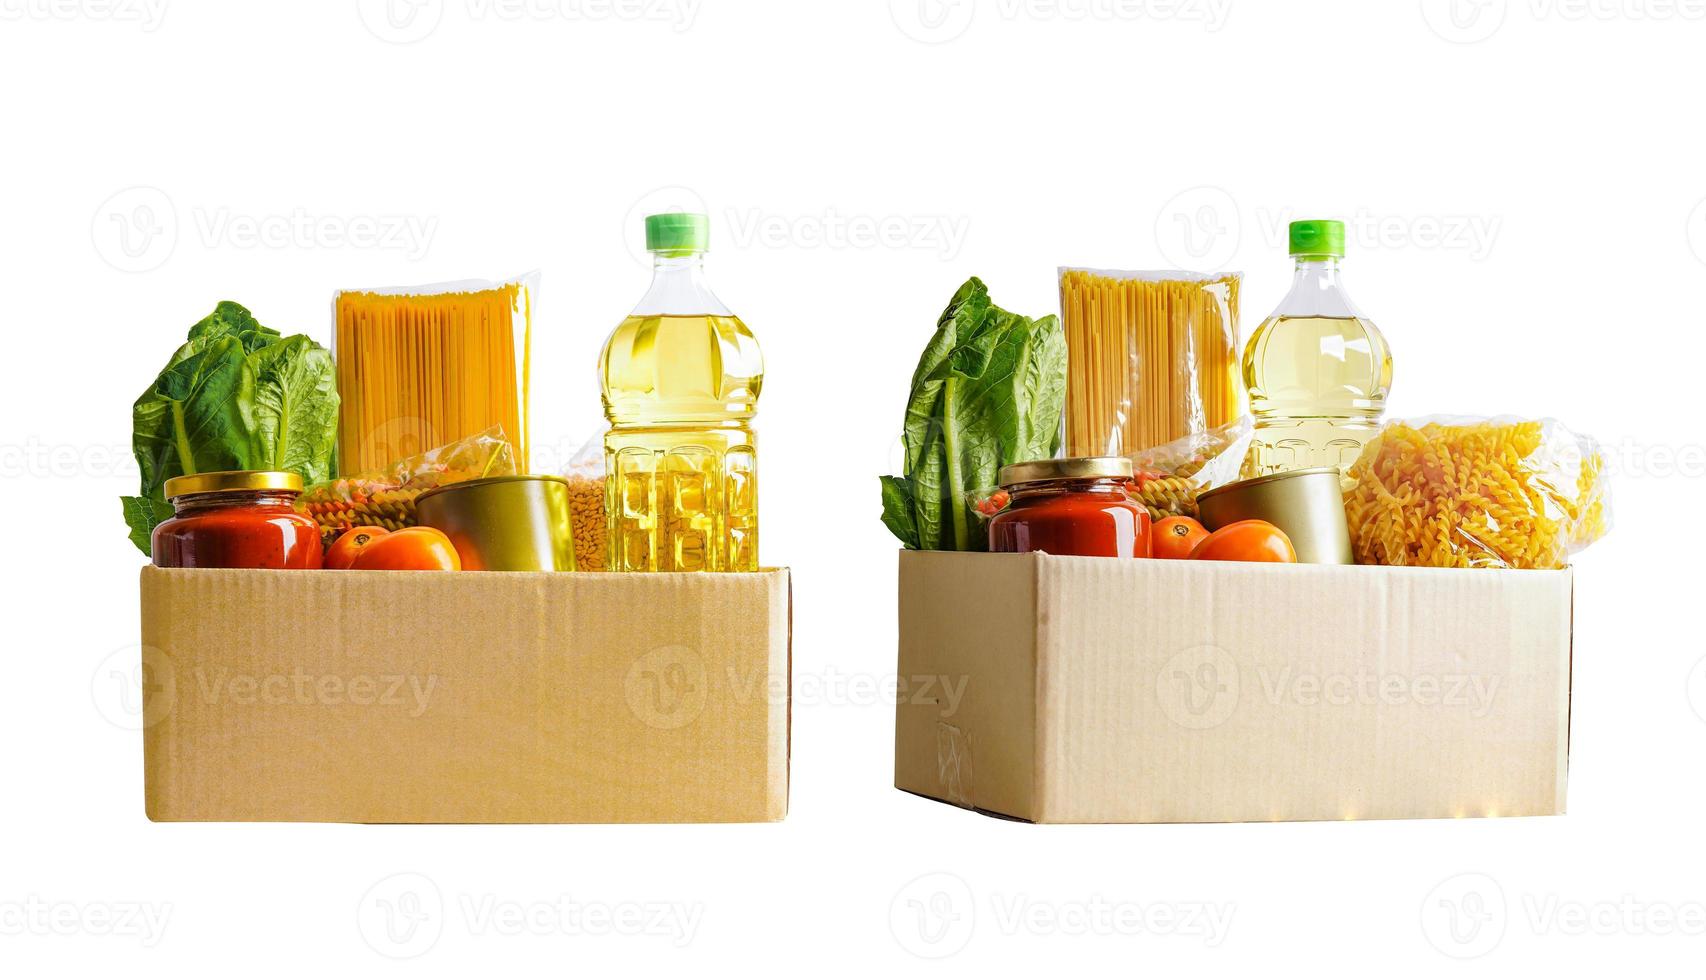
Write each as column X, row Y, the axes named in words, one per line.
column 1477, row 493
column 386, row 498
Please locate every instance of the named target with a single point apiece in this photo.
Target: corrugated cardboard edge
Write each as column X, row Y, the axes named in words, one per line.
column 980, row 753
column 161, row 753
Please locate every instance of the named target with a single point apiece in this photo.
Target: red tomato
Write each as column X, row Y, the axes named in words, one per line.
column 1175, row 537
column 411, row 549
column 351, row 543
column 1246, row 541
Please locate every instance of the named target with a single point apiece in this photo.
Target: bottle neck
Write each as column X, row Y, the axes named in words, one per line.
column 679, row 288
column 1317, row 289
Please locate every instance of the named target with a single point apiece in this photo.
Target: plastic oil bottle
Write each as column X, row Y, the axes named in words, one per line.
column 1317, row 370
column 681, row 377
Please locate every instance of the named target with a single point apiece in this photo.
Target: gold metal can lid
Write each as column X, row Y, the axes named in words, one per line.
column 1268, row 478
column 1072, row 468
column 487, row 481
column 222, row 480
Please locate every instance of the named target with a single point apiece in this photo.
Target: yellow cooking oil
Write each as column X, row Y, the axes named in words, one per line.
column 681, row 378
column 1317, row 371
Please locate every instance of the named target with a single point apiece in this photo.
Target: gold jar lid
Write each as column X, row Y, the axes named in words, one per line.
column 1073, row 468
column 222, row 480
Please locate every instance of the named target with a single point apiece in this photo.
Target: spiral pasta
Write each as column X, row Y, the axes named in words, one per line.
column 1498, row 493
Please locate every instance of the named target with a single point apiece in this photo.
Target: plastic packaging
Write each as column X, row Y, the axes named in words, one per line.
column 386, row 498
column 585, row 474
column 424, row 366
column 1167, row 478
column 1152, row 357
column 1455, row 492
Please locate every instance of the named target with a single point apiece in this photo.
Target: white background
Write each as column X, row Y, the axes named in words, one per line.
column 1527, row 194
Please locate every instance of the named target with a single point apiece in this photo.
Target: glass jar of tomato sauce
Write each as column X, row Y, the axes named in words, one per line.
column 1071, row 507
column 236, row 519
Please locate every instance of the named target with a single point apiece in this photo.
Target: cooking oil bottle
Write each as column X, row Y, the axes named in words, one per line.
column 1317, row 370
column 681, row 377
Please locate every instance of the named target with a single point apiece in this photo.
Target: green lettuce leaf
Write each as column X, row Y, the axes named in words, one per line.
column 988, row 391
column 235, row 396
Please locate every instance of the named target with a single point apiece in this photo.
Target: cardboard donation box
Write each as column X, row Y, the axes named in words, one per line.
column 1091, row 690
column 476, row 697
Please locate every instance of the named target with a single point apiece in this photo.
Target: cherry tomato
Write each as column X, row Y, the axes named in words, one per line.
column 351, row 543
column 411, row 549
column 1174, row 537
column 1246, row 541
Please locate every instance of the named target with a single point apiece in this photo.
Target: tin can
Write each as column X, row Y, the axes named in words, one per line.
column 504, row 523
column 1308, row 505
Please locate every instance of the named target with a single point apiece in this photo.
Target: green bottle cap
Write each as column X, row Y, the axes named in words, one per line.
column 1318, row 238
column 677, row 233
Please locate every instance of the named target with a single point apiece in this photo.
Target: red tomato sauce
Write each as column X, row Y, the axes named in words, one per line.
column 1092, row 517
column 237, row 529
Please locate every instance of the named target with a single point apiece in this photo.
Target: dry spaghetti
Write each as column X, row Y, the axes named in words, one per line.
column 1499, row 493
column 418, row 370
column 1151, row 357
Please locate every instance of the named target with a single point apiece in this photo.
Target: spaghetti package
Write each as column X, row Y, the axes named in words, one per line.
column 386, row 498
column 1476, row 493
column 1152, row 357
column 427, row 366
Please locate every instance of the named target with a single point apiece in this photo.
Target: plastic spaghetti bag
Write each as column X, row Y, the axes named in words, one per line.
column 585, row 473
column 1166, row 479
column 386, row 498
column 1152, row 357
column 1455, row 492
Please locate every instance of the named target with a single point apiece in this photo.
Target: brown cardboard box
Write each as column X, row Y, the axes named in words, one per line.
column 500, row 697
column 1090, row 690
